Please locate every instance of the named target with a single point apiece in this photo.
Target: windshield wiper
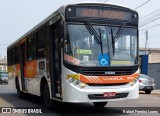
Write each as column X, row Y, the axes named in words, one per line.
column 101, row 44
column 116, row 37
column 113, row 42
column 119, row 32
column 92, row 31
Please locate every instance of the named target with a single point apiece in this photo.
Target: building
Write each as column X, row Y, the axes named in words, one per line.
column 3, row 64
column 154, row 65
column 143, row 61
column 150, row 63
column 154, row 56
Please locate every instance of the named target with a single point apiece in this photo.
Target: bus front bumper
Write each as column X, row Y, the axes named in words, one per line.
column 74, row 94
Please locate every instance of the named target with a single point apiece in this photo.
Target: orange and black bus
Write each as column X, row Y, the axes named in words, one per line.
column 86, row 52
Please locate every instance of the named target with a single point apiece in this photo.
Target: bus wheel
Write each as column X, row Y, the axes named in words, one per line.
column 46, row 97
column 99, row 104
column 19, row 92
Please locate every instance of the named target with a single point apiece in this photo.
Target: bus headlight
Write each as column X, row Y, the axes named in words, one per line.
column 82, row 85
column 133, row 82
column 71, row 80
column 75, row 82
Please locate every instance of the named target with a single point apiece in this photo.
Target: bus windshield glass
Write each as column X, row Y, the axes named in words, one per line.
column 83, row 49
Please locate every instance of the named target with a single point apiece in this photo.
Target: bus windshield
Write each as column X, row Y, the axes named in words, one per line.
column 84, row 49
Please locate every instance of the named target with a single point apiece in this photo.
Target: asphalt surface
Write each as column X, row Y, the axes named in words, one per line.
column 8, row 98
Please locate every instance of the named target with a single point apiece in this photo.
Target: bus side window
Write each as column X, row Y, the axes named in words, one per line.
column 41, row 43
column 17, row 54
column 13, row 56
column 31, row 48
column 9, row 57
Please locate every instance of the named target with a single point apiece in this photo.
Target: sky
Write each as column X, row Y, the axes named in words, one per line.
column 19, row 16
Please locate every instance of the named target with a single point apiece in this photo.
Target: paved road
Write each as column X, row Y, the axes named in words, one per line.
column 8, row 98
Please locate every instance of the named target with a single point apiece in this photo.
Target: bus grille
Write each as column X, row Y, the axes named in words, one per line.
column 108, row 72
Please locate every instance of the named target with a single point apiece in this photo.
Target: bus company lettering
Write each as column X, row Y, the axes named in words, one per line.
column 103, row 14
column 90, row 13
column 112, row 14
column 112, row 78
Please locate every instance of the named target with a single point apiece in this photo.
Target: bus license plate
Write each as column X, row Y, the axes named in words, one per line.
column 109, row 94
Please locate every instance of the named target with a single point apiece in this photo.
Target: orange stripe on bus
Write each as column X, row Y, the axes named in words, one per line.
column 108, row 79
column 31, row 69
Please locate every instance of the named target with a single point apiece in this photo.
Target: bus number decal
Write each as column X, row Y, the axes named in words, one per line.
column 41, row 67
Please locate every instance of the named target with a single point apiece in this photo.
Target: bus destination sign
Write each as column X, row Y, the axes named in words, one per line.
column 98, row 13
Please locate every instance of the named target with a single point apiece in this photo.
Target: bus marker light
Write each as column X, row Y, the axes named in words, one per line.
column 71, row 80
column 82, row 85
column 131, row 83
column 67, row 77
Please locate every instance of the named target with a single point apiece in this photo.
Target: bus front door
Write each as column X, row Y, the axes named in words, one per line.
column 55, row 60
column 22, row 65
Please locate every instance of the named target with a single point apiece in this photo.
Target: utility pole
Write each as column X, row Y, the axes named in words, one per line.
column 146, row 41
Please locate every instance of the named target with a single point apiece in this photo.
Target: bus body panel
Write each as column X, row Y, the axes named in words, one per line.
column 32, row 83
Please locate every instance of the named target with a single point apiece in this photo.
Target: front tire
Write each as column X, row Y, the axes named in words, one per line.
column 48, row 103
column 99, row 104
column 19, row 92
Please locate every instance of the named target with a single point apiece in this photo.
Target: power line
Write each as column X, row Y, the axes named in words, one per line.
column 149, row 14
column 149, row 22
column 150, row 27
column 151, row 18
column 142, row 4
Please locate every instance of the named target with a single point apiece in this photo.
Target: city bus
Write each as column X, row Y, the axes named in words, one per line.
column 84, row 52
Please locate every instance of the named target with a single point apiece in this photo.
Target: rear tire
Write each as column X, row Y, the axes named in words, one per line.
column 48, row 103
column 99, row 104
column 148, row 91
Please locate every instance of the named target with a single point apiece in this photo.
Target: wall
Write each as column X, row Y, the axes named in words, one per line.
column 154, row 72
column 154, row 58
